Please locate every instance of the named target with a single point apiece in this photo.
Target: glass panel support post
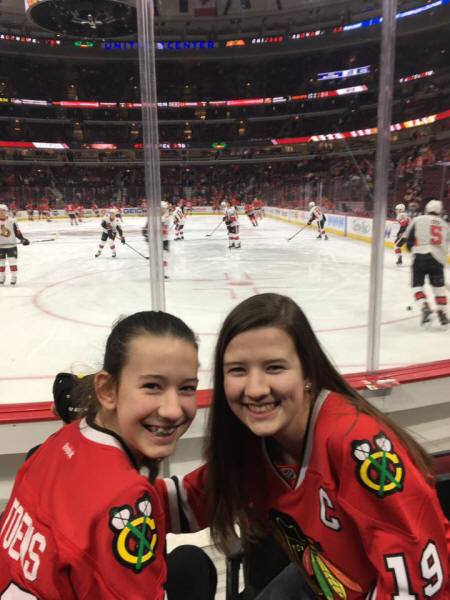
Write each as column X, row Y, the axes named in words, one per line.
column 147, row 77
column 385, row 94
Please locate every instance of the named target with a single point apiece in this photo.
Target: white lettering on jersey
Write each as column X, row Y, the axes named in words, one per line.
column 328, row 520
column 22, row 542
column 431, row 235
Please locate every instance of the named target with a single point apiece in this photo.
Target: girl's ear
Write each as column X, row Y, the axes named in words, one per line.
column 105, row 390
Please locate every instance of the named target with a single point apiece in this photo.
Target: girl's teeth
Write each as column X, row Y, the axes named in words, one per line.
column 261, row 408
column 160, row 430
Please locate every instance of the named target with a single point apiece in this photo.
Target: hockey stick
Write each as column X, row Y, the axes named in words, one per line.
column 215, row 229
column 45, row 240
column 137, row 251
column 297, row 232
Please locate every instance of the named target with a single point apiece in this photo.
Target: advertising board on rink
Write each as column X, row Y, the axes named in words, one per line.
column 359, row 228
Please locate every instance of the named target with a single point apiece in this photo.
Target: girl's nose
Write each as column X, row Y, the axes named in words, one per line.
column 170, row 407
column 256, row 385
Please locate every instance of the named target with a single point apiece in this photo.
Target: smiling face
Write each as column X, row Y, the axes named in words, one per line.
column 264, row 386
column 154, row 402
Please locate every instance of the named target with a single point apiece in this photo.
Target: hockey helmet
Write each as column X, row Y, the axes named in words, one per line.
column 223, row 204
column 3, row 207
column 311, row 204
column 164, row 204
column 433, row 206
column 400, row 208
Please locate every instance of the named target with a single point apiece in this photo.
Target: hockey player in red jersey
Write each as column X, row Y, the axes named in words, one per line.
column 85, row 519
column 79, row 213
column 9, row 234
column 316, row 214
column 428, row 239
column 250, row 212
column 231, row 220
column 72, row 213
column 403, row 220
column 293, row 449
column 46, row 211
column 30, row 210
column 258, row 207
column 111, row 228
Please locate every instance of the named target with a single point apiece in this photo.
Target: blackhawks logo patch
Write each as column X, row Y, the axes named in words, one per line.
column 378, row 467
column 324, row 577
column 135, row 535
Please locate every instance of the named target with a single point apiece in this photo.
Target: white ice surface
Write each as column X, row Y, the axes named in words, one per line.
column 60, row 313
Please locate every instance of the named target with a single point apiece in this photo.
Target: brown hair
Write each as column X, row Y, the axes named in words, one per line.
column 224, row 474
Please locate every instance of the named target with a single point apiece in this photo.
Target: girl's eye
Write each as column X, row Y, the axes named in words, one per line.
column 151, row 385
column 275, row 368
column 190, row 389
column 234, row 370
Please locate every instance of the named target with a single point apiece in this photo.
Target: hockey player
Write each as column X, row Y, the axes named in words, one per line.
column 165, row 218
column 178, row 222
column 316, row 214
column 250, row 212
column 40, row 208
column 258, row 207
column 347, row 492
column 85, row 518
column 428, row 238
column 72, row 213
column 403, row 220
column 46, row 211
column 231, row 220
column 117, row 212
column 165, row 225
column 30, row 210
column 111, row 228
column 9, row 234
column 79, row 213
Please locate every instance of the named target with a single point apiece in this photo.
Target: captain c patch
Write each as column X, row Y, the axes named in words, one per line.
column 135, row 535
column 378, row 467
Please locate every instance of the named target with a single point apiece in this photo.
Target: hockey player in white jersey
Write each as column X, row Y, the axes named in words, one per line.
column 316, row 214
column 428, row 238
column 178, row 222
column 165, row 225
column 231, row 220
column 111, row 228
column 9, row 234
column 403, row 220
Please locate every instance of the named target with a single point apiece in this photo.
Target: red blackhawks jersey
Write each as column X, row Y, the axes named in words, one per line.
column 82, row 523
column 358, row 519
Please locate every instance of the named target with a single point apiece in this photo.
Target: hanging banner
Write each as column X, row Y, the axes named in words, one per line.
column 205, row 8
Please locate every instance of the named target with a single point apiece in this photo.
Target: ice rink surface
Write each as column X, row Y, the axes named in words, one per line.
column 59, row 314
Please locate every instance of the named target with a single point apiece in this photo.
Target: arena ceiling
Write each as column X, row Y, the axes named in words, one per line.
column 190, row 17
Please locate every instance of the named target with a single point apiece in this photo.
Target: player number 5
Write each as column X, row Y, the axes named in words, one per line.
column 435, row 234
